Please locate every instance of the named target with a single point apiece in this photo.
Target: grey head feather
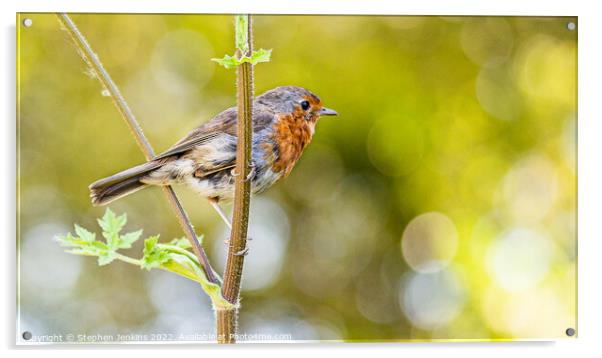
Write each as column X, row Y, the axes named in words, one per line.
column 284, row 98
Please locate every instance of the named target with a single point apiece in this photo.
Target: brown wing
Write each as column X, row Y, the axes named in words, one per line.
column 223, row 123
column 220, row 124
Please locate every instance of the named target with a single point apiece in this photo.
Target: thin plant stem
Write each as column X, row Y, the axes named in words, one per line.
column 103, row 76
column 127, row 259
column 174, row 268
column 237, row 248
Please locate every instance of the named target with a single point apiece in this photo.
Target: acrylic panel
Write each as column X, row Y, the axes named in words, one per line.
column 439, row 204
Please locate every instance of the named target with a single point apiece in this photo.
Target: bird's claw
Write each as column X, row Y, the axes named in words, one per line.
column 251, row 174
column 242, row 252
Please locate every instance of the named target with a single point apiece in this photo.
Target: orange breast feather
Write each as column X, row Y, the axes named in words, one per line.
column 292, row 134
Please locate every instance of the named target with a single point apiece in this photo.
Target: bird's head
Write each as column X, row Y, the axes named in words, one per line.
column 296, row 100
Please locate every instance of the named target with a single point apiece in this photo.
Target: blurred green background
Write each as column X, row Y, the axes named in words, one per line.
column 440, row 204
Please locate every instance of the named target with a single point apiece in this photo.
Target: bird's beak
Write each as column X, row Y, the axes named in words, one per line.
column 328, row 112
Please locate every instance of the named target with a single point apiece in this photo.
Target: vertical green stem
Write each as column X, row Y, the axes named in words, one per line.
column 227, row 319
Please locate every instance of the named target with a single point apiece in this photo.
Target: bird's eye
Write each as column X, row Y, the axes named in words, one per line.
column 305, row 105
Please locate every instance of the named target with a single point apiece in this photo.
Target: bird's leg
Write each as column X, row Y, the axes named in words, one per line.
column 215, row 204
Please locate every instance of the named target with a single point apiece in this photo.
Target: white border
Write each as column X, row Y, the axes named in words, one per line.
column 590, row 178
column 373, row 7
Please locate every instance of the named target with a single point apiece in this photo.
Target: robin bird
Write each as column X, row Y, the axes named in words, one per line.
column 284, row 121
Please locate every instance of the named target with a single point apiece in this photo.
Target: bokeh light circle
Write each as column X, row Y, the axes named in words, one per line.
column 269, row 230
column 429, row 242
column 544, row 55
column 498, row 95
column 519, row 258
column 530, row 188
column 487, row 41
column 40, row 275
column 537, row 312
column 432, row 300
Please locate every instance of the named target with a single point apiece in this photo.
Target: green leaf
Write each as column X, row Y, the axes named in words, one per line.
column 126, row 241
column 258, row 56
column 79, row 246
column 99, row 245
column 82, row 251
column 84, row 234
column 154, row 256
column 185, row 266
column 227, row 61
column 111, row 226
column 150, row 244
column 106, row 257
column 111, row 222
column 174, row 256
column 66, row 240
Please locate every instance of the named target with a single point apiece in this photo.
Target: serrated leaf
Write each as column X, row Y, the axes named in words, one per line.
column 126, row 241
column 101, row 246
column 77, row 243
column 227, row 61
column 82, row 251
column 106, row 257
column 150, row 243
column 155, row 261
column 73, row 242
column 260, row 55
column 111, row 226
column 111, row 222
column 84, row 234
column 106, row 220
column 174, row 256
column 154, row 256
column 65, row 240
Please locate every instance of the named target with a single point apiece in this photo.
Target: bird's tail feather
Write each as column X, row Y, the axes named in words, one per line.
column 108, row 194
column 116, row 186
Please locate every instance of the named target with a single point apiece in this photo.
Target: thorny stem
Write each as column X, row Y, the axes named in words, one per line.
column 103, row 76
column 227, row 318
